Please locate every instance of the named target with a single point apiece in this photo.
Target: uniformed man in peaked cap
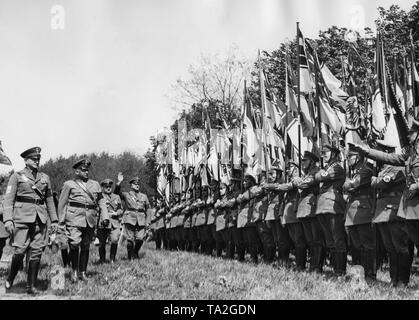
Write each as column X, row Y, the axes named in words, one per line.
column 359, row 214
column 409, row 203
column 134, row 219
column 27, row 205
column 82, row 205
column 114, row 206
column 389, row 184
column 331, row 204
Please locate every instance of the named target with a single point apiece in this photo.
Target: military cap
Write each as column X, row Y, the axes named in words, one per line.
column 31, row 153
column 134, row 180
column 331, row 147
column 106, row 182
column 310, row 156
column 82, row 163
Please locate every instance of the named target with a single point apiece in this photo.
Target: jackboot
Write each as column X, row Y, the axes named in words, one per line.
column 268, row 254
column 84, row 258
column 370, row 265
column 32, row 277
column 317, row 259
column 137, row 247
column 14, row 269
column 230, row 250
column 254, row 253
column 404, row 268
column 356, row 256
column 283, row 257
column 114, row 248
column 74, row 257
column 340, row 263
column 102, row 254
column 332, row 255
column 65, row 257
column 240, row 253
column 130, row 247
column 300, row 258
column 218, row 249
column 394, row 268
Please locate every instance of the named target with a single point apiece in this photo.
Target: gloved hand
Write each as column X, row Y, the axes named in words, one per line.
column 10, row 227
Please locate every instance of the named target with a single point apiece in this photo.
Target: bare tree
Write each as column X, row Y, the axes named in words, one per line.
column 214, row 78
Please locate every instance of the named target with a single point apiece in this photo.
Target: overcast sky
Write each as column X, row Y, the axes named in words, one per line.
column 100, row 83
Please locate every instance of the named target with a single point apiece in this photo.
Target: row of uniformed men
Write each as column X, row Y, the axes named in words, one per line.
column 83, row 207
column 319, row 211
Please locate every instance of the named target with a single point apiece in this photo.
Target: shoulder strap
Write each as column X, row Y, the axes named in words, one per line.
column 33, row 187
column 86, row 191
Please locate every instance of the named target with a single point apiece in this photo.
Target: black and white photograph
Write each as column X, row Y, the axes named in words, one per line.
column 226, row 151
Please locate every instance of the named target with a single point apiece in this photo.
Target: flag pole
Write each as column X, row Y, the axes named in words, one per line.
column 286, row 117
column 241, row 137
column 412, row 75
column 298, row 99
column 262, row 104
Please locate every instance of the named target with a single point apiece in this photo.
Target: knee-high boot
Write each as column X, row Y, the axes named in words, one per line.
column 114, row 248
column 14, row 269
column 33, row 269
column 84, row 258
column 130, row 247
column 74, row 257
column 394, row 268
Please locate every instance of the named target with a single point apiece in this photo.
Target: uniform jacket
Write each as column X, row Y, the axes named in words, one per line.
column 233, row 208
column 330, row 199
column 389, row 185
column 81, row 217
column 409, row 206
column 136, row 205
column 159, row 220
column 222, row 213
column 284, row 204
column 3, row 232
column 114, row 206
column 360, row 205
column 260, row 204
column 309, row 189
column 212, row 213
column 274, row 204
column 202, row 213
column 20, row 186
column 245, row 216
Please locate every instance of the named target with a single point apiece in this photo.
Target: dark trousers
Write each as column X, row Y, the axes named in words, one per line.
column 362, row 236
column 280, row 234
column 265, row 233
column 394, row 236
column 239, row 242
column 313, row 232
column 333, row 231
column 413, row 230
column 296, row 232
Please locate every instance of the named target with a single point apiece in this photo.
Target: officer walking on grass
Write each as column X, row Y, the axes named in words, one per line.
column 81, row 201
column 27, row 205
column 114, row 206
column 134, row 219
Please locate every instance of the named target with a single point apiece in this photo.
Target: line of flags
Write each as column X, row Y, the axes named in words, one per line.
column 318, row 109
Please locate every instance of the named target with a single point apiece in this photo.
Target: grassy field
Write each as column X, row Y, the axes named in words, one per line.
column 182, row 275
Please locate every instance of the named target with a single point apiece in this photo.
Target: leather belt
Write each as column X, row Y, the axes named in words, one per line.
column 389, row 194
column 81, row 205
column 29, row 200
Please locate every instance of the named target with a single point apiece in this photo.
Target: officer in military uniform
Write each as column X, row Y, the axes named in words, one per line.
column 265, row 215
column 245, row 219
column 28, row 204
column 409, row 203
column 201, row 222
column 114, row 206
column 3, row 233
column 220, row 225
column 134, row 218
column 331, row 204
column 306, row 213
column 389, row 185
column 359, row 214
column 80, row 207
column 159, row 225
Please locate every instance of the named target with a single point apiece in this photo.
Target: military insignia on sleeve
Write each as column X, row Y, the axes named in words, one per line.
column 387, row 179
column 324, row 174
